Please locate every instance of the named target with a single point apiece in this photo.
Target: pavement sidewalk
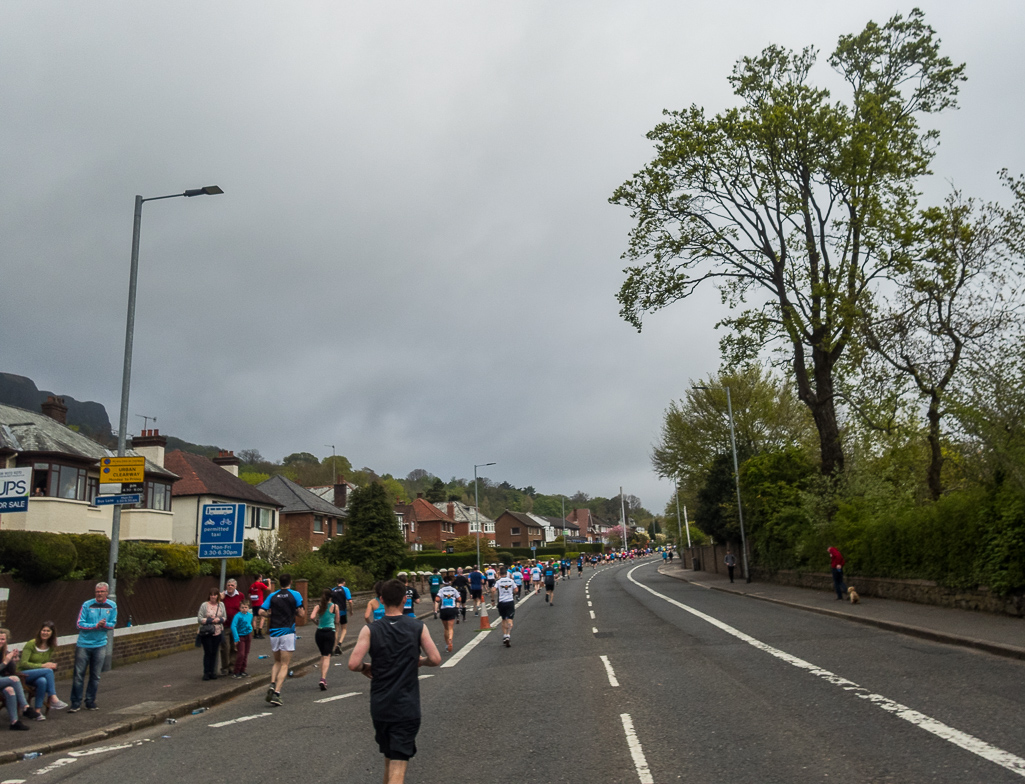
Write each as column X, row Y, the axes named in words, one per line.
column 140, row 695
column 997, row 634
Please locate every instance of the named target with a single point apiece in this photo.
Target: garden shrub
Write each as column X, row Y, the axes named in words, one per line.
column 36, row 556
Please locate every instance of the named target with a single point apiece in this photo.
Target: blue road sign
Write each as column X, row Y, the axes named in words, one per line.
column 118, row 500
column 221, row 528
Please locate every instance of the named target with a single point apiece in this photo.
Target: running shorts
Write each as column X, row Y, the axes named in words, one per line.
column 325, row 641
column 476, row 594
column 507, row 610
column 343, row 618
column 491, row 583
column 286, row 642
column 550, row 586
column 396, row 739
column 448, row 614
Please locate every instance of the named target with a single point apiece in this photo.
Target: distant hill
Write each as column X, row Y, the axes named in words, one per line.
column 88, row 417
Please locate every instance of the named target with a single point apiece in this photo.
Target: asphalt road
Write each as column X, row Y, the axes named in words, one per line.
column 710, row 687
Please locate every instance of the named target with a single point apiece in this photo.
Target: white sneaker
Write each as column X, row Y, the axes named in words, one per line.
column 58, row 705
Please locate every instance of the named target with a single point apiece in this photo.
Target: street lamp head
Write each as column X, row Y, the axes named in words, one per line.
column 209, row 190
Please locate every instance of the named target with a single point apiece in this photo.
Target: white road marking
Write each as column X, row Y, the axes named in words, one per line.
column 609, row 672
column 967, row 742
column 13, row 781
column 594, row 630
column 421, row 677
column 240, row 720
column 58, row 763
column 339, row 697
column 589, row 604
column 592, row 614
column 466, row 649
column 635, row 750
column 105, row 749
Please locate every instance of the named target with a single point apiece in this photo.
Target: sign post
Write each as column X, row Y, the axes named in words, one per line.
column 121, row 481
column 221, row 531
column 14, row 485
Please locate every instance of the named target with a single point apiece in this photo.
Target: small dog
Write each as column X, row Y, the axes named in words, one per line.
column 855, row 599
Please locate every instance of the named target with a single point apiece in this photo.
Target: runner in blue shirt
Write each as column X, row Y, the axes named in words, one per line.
column 476, row 589
column 282, row 607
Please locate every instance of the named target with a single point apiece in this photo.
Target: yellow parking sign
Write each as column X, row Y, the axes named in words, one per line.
column 118, row 470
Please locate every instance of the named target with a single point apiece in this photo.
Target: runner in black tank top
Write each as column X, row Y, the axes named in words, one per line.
column 394, row 643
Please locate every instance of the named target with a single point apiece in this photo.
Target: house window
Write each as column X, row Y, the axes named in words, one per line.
column 514, row 531
column 515, row 544
column 260, row 518
column 157, row 496
column 60, row 481
column 318, row 524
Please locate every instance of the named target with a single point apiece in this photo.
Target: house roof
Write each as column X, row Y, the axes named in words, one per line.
column 463, row 513
column 22, row 430
column 556, row 522
column 327, row 492
column 423, row 511
column 297, row 499
column 202, row 476
column 524, row 518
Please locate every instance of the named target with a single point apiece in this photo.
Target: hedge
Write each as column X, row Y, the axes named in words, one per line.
column 36, row 556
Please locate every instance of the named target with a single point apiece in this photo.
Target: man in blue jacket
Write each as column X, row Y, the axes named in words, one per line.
column 94, row 619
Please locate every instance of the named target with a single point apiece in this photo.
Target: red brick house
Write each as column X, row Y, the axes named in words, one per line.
column 304, row 516
column 592, row 528
column 518, row 529
column 422, row 523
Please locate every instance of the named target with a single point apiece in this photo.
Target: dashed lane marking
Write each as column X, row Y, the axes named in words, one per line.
column 339, row 697
column 967, row 742
column 594, row 630
column 241, row 719
column 592, row 614
column 458, row 657
column 422, row 677
column 609, row 671
column 640, row 763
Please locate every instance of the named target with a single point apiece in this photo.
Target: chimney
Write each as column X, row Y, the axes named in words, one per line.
column 419, row 495
column 452, row 510
column 228, row 462
column 151, row 445
column 341, row 494
column 55, row 409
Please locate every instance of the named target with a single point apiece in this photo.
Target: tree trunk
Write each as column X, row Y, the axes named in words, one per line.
column 822, row 404
column 935, row 475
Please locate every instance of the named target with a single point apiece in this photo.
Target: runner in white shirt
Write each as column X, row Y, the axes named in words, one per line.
column 507, row 591
column 446, row 605
column 491, row 576
column 535, row 578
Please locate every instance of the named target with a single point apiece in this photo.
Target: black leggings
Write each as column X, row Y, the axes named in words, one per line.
column 211, row 647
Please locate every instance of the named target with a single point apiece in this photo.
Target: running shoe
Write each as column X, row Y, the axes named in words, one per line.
column 323, row 685
column 449, row 647
column 505, row 642
column 276, row 699
column 270, row 694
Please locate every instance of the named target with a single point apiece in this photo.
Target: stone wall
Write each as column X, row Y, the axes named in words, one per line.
column 919, row 591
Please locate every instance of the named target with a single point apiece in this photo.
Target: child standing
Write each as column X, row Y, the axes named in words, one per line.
column 242, row 634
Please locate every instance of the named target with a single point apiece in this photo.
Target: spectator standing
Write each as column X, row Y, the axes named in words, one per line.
column 211, row 617
column 836, row 564
column 282, row 607
column 242, row 634
column 257, row 593
column 341, row 596
column 94, row 619
column 37, row 670
column 395, row 644
column 10, row 685
column 731, row 562
column 232, row 601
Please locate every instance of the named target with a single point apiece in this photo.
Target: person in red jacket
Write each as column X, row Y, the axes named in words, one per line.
column 836, row 563
column 257, row 593
column 232, row 601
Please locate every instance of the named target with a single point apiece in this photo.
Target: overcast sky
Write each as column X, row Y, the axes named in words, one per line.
column 414, row 258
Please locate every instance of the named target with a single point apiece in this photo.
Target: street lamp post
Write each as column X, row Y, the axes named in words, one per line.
column 476, row 507
column 736, row 479
column 126, row 378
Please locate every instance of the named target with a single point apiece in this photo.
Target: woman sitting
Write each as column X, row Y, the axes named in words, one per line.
column 10, row 684
column 37, row 668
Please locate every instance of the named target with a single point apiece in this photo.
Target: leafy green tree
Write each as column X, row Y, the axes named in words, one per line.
column 372, row 539
column 794, row 199
column 436, row 492
column 300, row 457
column 549, row 505
column 717, row 501
column 961, row 296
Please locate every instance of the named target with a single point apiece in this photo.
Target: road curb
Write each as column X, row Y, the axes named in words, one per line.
column 998, row 649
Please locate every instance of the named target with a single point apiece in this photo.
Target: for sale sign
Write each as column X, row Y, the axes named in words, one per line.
column 14, row 485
